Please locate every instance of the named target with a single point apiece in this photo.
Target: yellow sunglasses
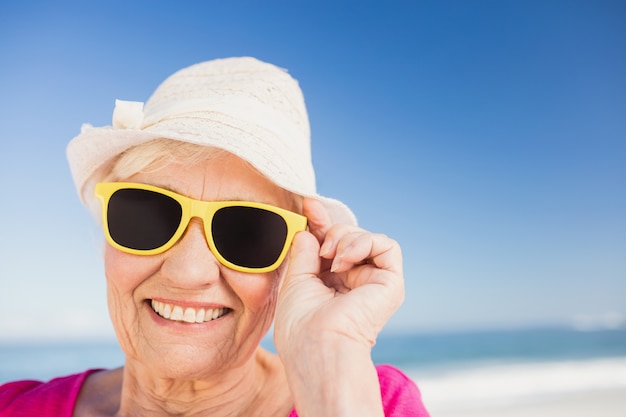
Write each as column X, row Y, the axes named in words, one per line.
column 245, row 236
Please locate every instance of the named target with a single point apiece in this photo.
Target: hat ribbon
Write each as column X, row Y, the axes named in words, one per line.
column 128, row 114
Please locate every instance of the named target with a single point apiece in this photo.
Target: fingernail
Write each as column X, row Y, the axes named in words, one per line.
column 336, row 264
column 325, row 249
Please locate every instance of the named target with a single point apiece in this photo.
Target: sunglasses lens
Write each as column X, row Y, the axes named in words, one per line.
column 142, row 219
column 248, row 236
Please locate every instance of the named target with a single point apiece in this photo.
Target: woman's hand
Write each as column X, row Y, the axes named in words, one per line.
column 341, row 281
column 342, row 285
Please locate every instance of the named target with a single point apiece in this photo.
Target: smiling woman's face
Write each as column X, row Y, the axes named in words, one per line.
column 231, row 311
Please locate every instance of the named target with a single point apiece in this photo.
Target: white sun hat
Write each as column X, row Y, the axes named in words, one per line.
column 247, row 107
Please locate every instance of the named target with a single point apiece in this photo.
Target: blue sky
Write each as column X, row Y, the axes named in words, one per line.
column 488, row 137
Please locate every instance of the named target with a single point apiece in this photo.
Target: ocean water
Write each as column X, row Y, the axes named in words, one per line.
column 443, row 350
column 453, row 370
column 460, row 373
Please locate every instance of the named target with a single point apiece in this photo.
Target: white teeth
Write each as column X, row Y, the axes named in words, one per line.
column 177, row 313
column 188, row 315
column 200, row 315
column 167, row 311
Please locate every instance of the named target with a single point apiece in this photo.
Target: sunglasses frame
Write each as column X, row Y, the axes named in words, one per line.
column 204, row 210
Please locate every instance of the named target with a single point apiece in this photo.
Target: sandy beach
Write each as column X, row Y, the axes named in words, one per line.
column 607, row 403
column 594, row 387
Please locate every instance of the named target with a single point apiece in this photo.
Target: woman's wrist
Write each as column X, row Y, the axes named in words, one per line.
column 333, row 376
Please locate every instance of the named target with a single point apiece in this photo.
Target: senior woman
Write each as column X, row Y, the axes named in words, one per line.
column 214, row 231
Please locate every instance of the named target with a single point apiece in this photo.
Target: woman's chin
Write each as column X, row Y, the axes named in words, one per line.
column 182, row 361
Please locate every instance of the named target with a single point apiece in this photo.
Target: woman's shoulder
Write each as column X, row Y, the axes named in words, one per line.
column 100, row 395
column 400, row 394
column 392, row 377
column 37, row 398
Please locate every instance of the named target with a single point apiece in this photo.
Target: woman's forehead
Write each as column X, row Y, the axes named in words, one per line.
column 224, row 177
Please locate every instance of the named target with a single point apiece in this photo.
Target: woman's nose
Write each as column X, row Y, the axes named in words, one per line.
column 190, row 263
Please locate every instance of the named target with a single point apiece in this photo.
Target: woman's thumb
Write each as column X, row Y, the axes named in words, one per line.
column 304, row 259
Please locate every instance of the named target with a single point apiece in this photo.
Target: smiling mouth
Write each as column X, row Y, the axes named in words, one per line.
column 187, row 314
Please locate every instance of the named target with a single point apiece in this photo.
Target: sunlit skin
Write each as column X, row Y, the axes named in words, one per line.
column 180, row 359
column 332, row 296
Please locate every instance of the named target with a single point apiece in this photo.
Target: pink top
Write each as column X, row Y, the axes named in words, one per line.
column 35, row 398
column 57, row 397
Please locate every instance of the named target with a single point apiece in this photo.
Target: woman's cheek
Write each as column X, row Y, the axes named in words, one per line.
column 258, row 294
column 127, row 272
column 124, row 273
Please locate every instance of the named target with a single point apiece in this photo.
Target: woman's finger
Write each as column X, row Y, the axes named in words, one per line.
column 303, row 258
column 319, row 221
column 364, row 247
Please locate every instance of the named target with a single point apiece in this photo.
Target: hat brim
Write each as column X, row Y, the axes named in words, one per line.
column 91, row 153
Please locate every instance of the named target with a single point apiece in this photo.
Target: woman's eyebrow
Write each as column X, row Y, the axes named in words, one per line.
column 237, row 196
